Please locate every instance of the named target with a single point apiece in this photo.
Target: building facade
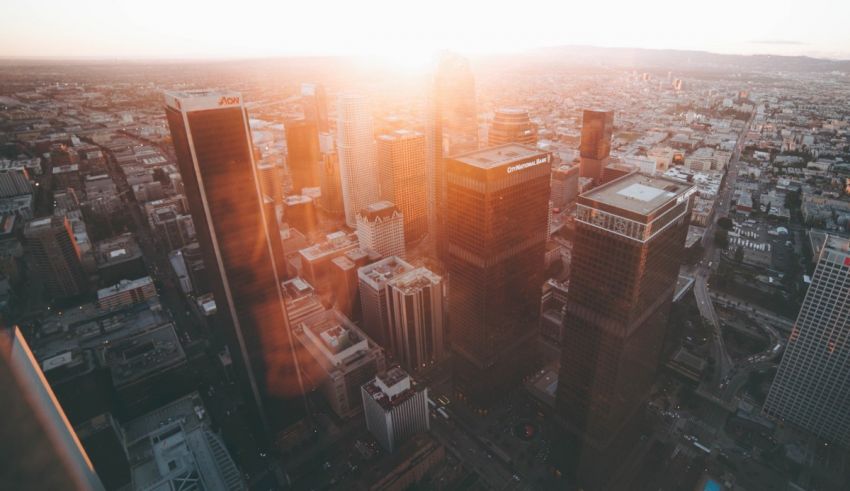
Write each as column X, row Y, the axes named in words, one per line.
column 403, row 174
column 498, row 203
column 374, row 297
column 212, row 140
column 55, row 256
column 356, row 149
column 302, row 153
column 380, row 229
column 395, row 407
column 512, row 125
column 416, row 301
column 597, row 127
column 630, row 238
column 812, row 386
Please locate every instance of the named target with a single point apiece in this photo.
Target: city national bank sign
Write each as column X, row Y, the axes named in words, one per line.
column 526, row 165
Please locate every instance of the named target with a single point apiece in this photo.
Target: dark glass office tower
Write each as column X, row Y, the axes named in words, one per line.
column 630, row 236
column 302, row 154
column 595, row 147
column 452, row 129
column 402, row 174
column 498, row 203
column 213, row 145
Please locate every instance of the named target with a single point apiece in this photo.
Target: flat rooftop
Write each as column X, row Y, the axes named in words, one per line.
column 639, row 193
column 489, row 158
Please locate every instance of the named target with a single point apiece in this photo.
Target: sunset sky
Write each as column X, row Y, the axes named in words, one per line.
column 408, row 30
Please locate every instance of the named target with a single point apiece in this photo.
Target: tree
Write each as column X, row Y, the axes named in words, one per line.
column 721, row 238
column 739, row 254
column 725, row 223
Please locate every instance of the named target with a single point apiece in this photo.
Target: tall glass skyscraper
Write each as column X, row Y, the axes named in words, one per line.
column 496, row 230
column 597, row 127
column 812, row 386
column 630, row 238
column 401, row 164
column 452, row 129
column 357, row 162
column 212, row 140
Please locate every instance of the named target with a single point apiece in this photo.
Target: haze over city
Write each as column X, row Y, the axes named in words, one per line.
column 425, row 245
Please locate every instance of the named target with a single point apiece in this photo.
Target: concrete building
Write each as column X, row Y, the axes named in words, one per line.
column 403, row 174
column 380, row 229
column 315, row 261
column 175, row 447
column 811, row 389
column 126, row 292
column 416, row 314
column 55, row 256
column 357, row 161
column 497, row 227
column 299, row 212
column 374, row 297
column 341, row 359
column 564, row 185
column 300, row 300
column 395, row 407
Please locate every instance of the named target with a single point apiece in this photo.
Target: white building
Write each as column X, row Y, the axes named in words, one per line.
column 380, row 229
column 395, row 407
column 357, row 161
column 812, row 386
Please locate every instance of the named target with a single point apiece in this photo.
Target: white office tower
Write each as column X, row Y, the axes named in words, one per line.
column 812, row 387
column 396, row 408
column 380, row 229
column 416, row 318
column 357, row 162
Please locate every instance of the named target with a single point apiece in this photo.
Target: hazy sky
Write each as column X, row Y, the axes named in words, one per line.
column 408, row 30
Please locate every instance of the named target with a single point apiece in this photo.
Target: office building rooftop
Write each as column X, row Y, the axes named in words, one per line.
column 377, row 274
column 136, row 357
column 639, row 193
column 497, row 156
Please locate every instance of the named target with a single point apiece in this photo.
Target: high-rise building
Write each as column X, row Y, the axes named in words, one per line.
column 380, row 228
column 212, row 141
column 302, row 153
column 811, row 389
column 498, row 202
column 630, row 239
column 395, row 407
column 331, row 201
column 356, row 149
column 55, row 256
column 375, row 299
column 42, row 449
column 403, row 174
column 597, row 127
column 341, row 359
column 415, row 300
column 300, row 213
column 452, row 128
column 314, row 102
column 564, row 185
column 512, row 125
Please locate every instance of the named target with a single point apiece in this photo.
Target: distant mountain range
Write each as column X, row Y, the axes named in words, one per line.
column 677, row 59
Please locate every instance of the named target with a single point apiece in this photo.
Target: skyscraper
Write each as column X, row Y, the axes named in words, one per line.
column 630, row 237
column 331, row 200
column 597, row 127
column 812, row 386
column 416, row 302
column 374, row 298
column 212, row 140
column 55, row 256
column 356, row 148
column 512, row 125
column 452, row 128
column 395, row 407
column 302, row 153
column 401, row 165
column 314, row 102
column 498, row 202
column 380, row 229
